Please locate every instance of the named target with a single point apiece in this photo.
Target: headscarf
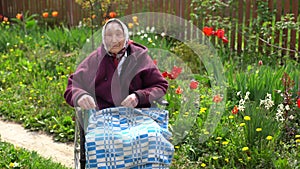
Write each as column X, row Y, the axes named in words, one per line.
column 126, row 35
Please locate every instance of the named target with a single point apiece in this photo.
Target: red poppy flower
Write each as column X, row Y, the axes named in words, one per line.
column 260, row 62
column 298, row 102
column 217, row 98
column 178, row 90
column 208, row 31
column 175, row 72
column 112, row 14
column 224, row 39
column 235, row 110
column 1, row 16
column 220, row 33
column 165, row 74
column 193, row 84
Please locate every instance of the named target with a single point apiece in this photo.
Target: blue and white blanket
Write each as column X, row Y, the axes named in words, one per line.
column 128, row 138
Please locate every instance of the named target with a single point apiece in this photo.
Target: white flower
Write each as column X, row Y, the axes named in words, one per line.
column 247, row 96
column 241, row 107
column 163, row 34
column 291, row 117
column 150, row 40
column 87, row 40
column 147, row 29
column 130, row 33
column 268, row 103
column 155, row 37
column 7, row 44
column 238, row 93
column 138, row 33
column 287, row 107
column 145, row 35
column 142, row 31
column 152, row 29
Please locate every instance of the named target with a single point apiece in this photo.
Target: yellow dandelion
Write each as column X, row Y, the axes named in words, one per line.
column 298, row 141
column 242, row 124
column 206, row 132
column 258, row 129
column 202, row 96
column 245, row 148
column 248, row 158
column 51, row 51
column 225, row 142
column 130, row 25
column 172, row 86
column 11, row 50
column 215, row 157
column 269, row 138
column 219, row 138
column 11, row 164
column 177, row 147
column 247, row 118
column 297, row 136
column 227, row 160
column 135, row 19
column 231, row 117
column 203, row 165
column 203, row 109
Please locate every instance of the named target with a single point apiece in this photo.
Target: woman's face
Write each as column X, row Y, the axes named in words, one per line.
column 114, row 37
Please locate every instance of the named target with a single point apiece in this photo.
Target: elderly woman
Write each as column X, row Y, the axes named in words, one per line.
column 120, row 73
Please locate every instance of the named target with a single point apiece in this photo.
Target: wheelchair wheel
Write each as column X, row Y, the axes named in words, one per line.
column 77, row 145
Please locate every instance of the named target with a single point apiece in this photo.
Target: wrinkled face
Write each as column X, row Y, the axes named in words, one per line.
column 114, row 37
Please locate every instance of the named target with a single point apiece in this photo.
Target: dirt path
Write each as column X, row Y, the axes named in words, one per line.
column 33, row 141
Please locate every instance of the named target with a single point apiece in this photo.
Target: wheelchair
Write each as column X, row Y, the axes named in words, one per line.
column 81, row 122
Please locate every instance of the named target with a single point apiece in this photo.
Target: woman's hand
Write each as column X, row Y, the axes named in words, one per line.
column 130, row 101
column 86, row 102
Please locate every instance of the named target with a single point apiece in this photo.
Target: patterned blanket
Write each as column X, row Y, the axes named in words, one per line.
column 128, row 138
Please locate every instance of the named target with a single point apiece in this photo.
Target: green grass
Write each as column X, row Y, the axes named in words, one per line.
column 19, row 158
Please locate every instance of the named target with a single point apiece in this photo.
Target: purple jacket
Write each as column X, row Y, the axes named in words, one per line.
column 98, row 77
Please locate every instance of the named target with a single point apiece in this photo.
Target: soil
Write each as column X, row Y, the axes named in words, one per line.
column 35, row 141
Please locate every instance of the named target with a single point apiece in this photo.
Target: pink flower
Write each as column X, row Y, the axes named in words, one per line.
column 298, row 102
column 260, row 62
column 217, row 99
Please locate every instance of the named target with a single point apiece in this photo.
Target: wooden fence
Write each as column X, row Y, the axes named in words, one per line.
column 244, row 11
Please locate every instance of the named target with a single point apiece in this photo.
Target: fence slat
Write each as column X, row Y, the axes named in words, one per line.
column 295, row 9
column 240, row 25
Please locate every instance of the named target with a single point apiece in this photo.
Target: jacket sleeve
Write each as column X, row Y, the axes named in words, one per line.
column 154, row 84
column 81, row 82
